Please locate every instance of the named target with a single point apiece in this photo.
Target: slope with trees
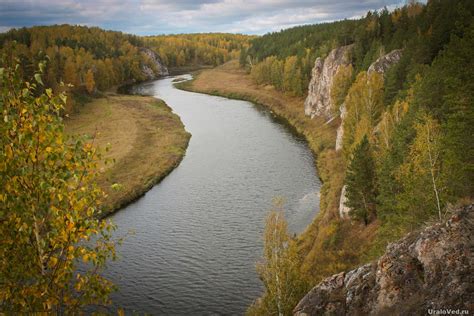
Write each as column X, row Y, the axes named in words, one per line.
column 407, row 154
column 89, row 60
column 199, row 49
column 84, row 59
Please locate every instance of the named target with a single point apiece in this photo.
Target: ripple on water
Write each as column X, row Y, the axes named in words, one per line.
column 198, row 234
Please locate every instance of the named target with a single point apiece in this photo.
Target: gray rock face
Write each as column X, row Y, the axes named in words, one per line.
column 340, row 129
column 343, row 209
column 382, row 64
column 427, row 270
column 318, row 102
column 157, row 70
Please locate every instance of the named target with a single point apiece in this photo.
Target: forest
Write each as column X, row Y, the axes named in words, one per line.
column 210, row 49
column 407, row 154
column 88, row 60
column 422, row 32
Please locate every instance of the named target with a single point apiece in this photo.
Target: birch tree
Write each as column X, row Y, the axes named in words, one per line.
column 49, row 206
column 279, row 269
column 422, row 174
column 364, row 104
column 90, row 82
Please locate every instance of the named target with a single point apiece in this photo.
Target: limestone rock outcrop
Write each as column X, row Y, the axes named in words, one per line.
column 343, row 209
column 382, row 64
column 318, row 102
column 340, row 129
column 426, row 271
column 155, row 68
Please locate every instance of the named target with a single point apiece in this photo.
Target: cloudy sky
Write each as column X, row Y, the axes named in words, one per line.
column 145, row 17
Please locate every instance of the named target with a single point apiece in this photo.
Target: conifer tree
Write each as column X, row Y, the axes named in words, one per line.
column 360, row 180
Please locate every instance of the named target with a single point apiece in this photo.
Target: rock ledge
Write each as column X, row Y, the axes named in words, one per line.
column 429, row 270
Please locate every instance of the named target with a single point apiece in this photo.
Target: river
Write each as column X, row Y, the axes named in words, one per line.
column 197, row 235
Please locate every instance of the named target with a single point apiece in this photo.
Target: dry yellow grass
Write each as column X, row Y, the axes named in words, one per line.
column 147, row 141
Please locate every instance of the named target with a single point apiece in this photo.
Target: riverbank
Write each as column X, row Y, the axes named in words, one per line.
column 231, row 81
column 201, row 227
column 176, row 71
column 147, row 141
column 329, row 244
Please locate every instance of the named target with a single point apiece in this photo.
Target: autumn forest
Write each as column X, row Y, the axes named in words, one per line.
column 383, row 102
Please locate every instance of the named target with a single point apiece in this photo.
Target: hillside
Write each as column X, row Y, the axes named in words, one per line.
column 80, row 60
column 210, row 49
column 389, row 117
column 428, row 270
column 385, row 102
column 86, row 61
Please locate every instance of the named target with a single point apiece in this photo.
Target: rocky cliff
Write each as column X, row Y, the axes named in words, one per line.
column 426, row 272
column 154, row 67
column 340, row 129
column 318, row 102
column 343, row 208
column 382, row 64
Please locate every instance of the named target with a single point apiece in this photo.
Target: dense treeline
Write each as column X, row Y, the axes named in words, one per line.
column 416, row 118
column 290, row 75
column 197, row 49
column 275, row 57
column 428, row 161
column 318, row 38
column 407, row 151
column 90, row 59
column 87, row 58
column 424, row 30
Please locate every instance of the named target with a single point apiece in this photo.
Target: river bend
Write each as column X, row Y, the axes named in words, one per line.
column 198, row 234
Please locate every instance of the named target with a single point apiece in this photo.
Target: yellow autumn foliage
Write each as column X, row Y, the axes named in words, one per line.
column 47, row 192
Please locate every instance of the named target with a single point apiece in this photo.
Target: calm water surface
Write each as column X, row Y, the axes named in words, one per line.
column 198, row 234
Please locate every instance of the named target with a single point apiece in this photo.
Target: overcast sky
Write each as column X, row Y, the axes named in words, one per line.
column 146, row 17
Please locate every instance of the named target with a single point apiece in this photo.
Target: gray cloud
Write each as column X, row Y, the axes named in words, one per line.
column 165, row 16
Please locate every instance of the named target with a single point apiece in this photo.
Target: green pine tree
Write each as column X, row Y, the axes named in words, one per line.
column 360, row 181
